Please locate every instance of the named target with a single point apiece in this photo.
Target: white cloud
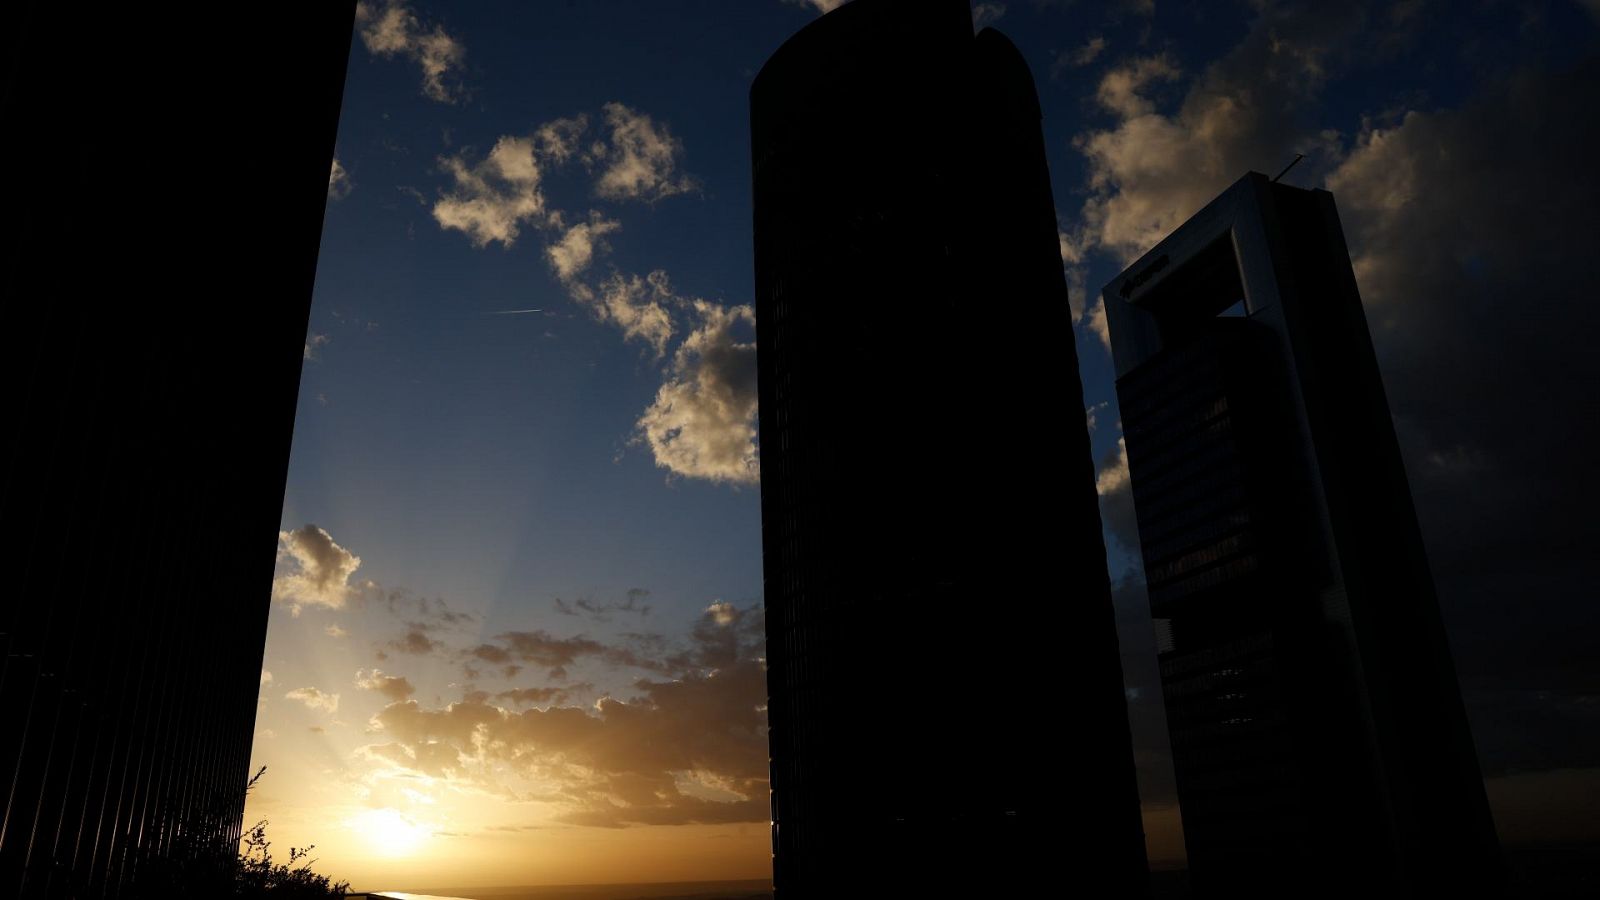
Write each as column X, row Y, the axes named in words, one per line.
column 1116, row 496
column 389, row 28
column 266, row 678
column 1149, row 171
column 558, row 140
column 572, row 253
column 1122, row 90
column 334, row 631
column 1073, row 251
column 703, row 421
column 640, row 162
column 638, row 306
column 1096, row 322
column 339, row 183
column 315, row 699
column 313, row 341
column 1091, row 414
column 1113, row 475
column 494, row 198
column 312, row 570
column 722, row 612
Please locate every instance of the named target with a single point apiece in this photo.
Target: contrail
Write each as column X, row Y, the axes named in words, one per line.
column 510, row 312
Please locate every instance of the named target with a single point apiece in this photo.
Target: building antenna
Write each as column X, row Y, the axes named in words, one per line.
column 1297, row 158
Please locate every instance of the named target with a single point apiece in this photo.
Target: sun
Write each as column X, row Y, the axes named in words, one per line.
column 389, row 832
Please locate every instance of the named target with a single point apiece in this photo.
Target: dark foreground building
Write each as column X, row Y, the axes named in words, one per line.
column 946, row 700
column 1318, row 733
column 166, row 170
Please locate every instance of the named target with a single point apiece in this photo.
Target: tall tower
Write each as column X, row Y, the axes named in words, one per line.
column 946, row 700
column 1318, row 733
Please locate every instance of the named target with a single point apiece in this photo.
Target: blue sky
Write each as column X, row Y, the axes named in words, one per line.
column 497, row 461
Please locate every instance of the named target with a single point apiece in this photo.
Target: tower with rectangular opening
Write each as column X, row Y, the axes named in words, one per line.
column 1318, row 732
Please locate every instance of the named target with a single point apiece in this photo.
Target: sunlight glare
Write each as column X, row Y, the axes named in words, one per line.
column 389, row 832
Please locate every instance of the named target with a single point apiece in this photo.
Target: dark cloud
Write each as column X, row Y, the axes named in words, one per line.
column 634, row 604
column 688, row 746
column 392, row 686
column 533, row 696
column 1466, row 222
column 540, row 648
column 1466, row 225
column 422, row 613
column 415, row 642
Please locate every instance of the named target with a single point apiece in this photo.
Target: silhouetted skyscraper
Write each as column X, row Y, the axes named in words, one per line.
column 1318, row 732
column 946, row 701
column 166, row 177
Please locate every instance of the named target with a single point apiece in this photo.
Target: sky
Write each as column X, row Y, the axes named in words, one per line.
column 516, row 634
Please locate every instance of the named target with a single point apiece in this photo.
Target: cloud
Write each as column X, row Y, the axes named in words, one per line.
column 1091, row 414
column 1150, row 170
column 1074, row 266
column 637, row 306
column 339, row 183
column 572, row 253
column 1095, row 320
column 540, row 648
column 537, row 695
column 334, row 631
column 688, row 748
column 415, row 642
column 266, row 678
column 602, row 612
column 821, row 6
column 702, row 423
column 986, row 14
column 1122, row 90
column 389, row 28
column 312, row 570
column 1464, row 224
column 1088, row 53
column 394, row 687
column 640, row 162
column 1116, row 496
column 492, row 200
column 1113, row 472
column 422, row 613
column 313, row 341
column 315, row 699
column 560, row 139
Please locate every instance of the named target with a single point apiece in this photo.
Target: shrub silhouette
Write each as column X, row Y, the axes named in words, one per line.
column 202, row 867
column 257, row 876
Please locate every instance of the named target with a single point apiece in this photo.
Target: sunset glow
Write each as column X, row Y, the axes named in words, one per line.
column 388, row 832
column 517, row 631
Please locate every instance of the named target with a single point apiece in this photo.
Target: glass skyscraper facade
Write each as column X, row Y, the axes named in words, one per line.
column 1319, row 739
